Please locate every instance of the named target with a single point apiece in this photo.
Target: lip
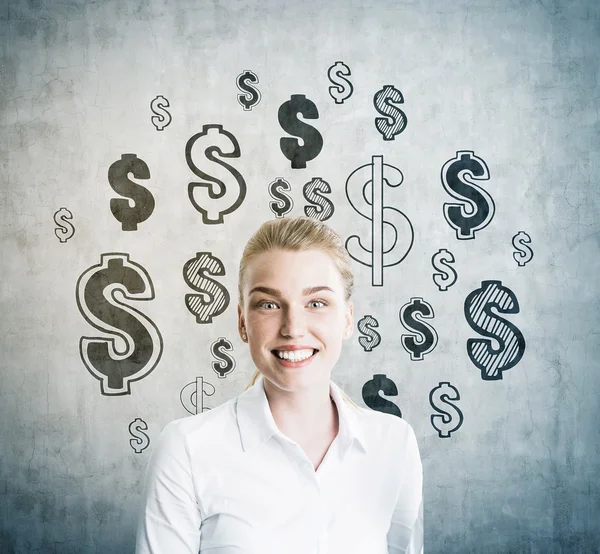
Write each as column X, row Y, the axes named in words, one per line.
column 301, row 363
column 296, row 347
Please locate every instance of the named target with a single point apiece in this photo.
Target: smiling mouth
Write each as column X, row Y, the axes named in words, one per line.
column 274, row 352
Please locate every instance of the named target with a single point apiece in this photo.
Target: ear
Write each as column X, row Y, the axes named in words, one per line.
column 241, row 324
column 349, row 321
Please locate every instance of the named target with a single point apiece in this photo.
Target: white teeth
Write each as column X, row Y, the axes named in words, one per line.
column 294, row 355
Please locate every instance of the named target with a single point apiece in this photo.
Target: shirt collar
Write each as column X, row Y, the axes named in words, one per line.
column 256, row 423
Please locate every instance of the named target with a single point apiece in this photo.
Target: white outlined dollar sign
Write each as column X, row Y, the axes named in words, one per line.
column 392, row 233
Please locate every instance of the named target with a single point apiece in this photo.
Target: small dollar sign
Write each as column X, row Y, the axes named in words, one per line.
column 130, row 216
column 395, row 121
column 370, row 394
column 140, row 440
column 524, row 253
column 372, row 338
column 480, row 317
column 250, row 96
column 65, row 229
column 313, row 192
column 214, row 297
column 192, row 395
column 283, row 203
column 311, row 138
column 447, row 275
column 224, row 199
column 342, row 89
column 411, row 315
column 451, row 418
column 393, row 234
column 162, row 117
column 226, row 364
column 477, row 208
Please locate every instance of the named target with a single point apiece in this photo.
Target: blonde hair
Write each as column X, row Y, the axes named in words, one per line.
column 297, row 234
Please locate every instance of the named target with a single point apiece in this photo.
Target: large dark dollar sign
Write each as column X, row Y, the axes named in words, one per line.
column 283, row 203
column 342, row 89
column 313, row 192
column 219, row 350
column 458, row 174
column 219, row 199
column 312, row 139
column 370, row 394
column 411, row 315
column 129, row 216
column 214, row 297
column 392, row 233
column 372, row 338
column 478, row 312
column 250, row 96
column 451, row 418
column 395, row 121
column 137, row 344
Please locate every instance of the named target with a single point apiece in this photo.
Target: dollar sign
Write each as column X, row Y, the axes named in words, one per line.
column 373, row 338
column 65, row 229
column 214, row 297
column 162, row 117
column 451, row 418
column 136, row 345
column 342, row 89
column 313, row 192
column 228, row 199
column 458, row 174
column 140, row 440
column 312, row 139
column 283, row 203
column 521, row 242
column 227, row 363
column 192, row 395
column 389, row 244
column 478, row 313
column 395, row 121
column 411, row 315
column 129, row 216
column 370, row 394
column 447, row 275
column 251, row 95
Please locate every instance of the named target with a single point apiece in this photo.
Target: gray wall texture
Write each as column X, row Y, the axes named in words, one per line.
column 514, row 81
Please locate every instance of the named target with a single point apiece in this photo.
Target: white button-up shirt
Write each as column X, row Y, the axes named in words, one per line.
column 228, row 481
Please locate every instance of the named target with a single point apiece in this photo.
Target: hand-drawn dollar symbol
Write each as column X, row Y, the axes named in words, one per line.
column 226, row 363
column 218, row 198
column 312, row 141
column 372, row 338
column 395, row 119
column 524, row 253
column 477, row 207
column 283, row 203
column 478, row 313
column 140, row 440
column 446, row 275
column 129, row 216
column 162, row 117
column 313, row 192
column 250, row 96
column 392, row 233
column 423, row 338
column 214, row 297
column 451, row 418
column 370, row 394
column 343, row 88
column 192, row 395
column 135, row 345
column 65, row 229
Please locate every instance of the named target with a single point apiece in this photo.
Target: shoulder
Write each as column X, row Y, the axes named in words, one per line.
column 387, row 428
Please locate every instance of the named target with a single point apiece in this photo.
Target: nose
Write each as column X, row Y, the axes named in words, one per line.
column 294, row 323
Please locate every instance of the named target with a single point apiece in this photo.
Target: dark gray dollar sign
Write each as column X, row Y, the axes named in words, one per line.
column 226, row 364
column 143, row 201
column 451, row 418
column 370, row 394
column 288, row 119
column 251, row 95
column 395, row 121
column 411, row 315
column 446, row 275
column 372, row 338
column 283, row 203
column 140, row 440
column 343, row 88
column 524, row 253
column 313, row 192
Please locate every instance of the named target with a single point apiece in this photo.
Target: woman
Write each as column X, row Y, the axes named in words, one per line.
column 291, row 465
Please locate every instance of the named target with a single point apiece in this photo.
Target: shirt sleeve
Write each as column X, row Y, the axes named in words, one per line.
column 169, row 519
column 405, row 535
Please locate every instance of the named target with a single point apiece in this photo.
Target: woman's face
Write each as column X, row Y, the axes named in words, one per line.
column 280, row 309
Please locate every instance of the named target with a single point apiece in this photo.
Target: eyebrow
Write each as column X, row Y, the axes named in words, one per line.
column 274, row 292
